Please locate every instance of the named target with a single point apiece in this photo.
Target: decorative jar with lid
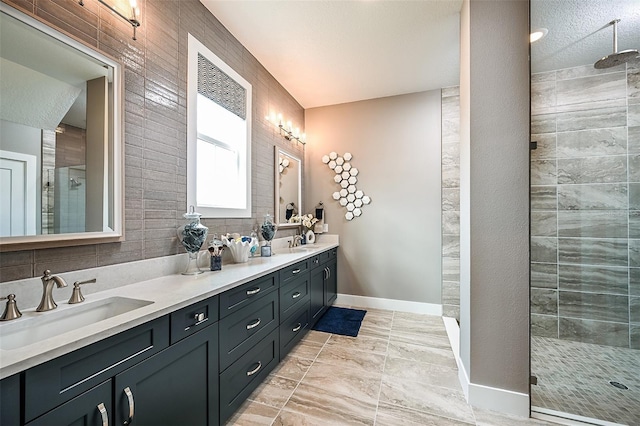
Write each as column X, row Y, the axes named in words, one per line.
column 192, row 235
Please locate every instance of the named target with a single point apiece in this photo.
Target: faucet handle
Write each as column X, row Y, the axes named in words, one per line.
column 76, row 294
column 11, row 311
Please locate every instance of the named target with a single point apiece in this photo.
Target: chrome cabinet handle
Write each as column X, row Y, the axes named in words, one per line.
column 253, row 325
column 199, row 318
column 295, row 271
column 103, row 414
column 296, row 295
column 328, row 272
column 255, row 370
column 255, row 290
column 297, row 327
column 324, row 273
column 127, row 392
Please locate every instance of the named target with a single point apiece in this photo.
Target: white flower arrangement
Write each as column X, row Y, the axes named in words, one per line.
column 306, row 220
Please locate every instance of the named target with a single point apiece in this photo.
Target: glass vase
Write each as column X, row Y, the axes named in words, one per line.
column 192, row 235
column 268, row 231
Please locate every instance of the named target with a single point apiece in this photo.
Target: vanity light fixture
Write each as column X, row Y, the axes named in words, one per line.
column 286, row 129
column 133, row 17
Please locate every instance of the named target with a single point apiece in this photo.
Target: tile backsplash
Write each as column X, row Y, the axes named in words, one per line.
column 584, row 205
column 155, row 126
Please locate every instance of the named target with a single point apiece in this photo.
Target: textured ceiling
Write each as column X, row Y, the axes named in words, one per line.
column 578, row 31
column 332, row 52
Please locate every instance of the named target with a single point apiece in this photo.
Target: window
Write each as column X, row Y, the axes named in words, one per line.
column 218, row 136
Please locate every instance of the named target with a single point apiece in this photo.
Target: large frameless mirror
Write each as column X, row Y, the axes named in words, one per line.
column 60, row 138
column 288, row 187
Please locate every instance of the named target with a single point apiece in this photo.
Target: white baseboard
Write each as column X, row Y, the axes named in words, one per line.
column 495, row 399
column 389, row 304
column 500, row 400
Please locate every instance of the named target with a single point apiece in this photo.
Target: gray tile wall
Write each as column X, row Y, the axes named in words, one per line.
column 155, row 126
column 585, row 205
column 451, row 202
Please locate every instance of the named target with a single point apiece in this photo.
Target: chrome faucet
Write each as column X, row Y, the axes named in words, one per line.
column 296, row 240
column 47, row 303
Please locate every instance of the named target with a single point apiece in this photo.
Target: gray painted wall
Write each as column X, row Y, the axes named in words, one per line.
column 393, row 250
column 494, row 98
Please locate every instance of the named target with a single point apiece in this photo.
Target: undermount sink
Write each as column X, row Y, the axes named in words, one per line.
column 301, row 249
column 34, row 327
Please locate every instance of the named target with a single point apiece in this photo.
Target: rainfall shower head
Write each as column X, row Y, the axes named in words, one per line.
column 616, row 58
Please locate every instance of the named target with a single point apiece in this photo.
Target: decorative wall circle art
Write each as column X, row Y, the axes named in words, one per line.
column 349, row 197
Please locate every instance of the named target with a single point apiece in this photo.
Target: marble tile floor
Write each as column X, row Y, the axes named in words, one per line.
column 400, row 370
column 574, row 377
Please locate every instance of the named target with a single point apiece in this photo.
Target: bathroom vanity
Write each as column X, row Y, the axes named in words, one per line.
column 193, row 362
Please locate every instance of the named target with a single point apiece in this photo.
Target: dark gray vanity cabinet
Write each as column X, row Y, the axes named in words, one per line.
column 324, row 283
column 294, row 311
column 90, row 408
column 58, row 381
column 135, row 377
column 10, row 400
column 194, row 366
column 178, row 386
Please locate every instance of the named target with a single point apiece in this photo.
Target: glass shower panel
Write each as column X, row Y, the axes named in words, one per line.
column 585, row 221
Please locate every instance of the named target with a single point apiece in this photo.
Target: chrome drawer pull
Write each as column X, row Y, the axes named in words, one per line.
column 253, row 291
column 296, row 295
column 295, row 271
column 297, row 327
column 254, row 325
column 255, row 370
column 103, row 414
column 127, row 392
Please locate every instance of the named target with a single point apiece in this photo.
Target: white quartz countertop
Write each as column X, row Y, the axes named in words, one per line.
column 168, row 293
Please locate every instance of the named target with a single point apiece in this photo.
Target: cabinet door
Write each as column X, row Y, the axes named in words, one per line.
column 178, row 386
column 92, row 408
column 331, row 283
column 316, row 293
column 10, row 401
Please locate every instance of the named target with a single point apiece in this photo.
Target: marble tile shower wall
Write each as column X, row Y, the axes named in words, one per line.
column 155, row 126
column 451, row 202
column 585, row 205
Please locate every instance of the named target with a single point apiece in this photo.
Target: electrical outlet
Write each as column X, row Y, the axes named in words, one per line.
column 325, row 227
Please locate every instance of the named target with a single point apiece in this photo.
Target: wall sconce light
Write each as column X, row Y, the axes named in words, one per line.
column 133, row 15
column 286, row 129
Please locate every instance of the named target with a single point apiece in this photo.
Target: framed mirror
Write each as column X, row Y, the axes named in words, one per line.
column 288, row 187
column 60, row 138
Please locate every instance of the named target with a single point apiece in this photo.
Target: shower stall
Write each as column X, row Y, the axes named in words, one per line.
column 585, row 225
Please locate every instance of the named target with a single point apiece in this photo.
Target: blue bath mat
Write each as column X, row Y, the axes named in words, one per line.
column 342, row 321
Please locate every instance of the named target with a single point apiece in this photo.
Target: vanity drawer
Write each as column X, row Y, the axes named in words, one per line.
column 244, row 328
column 244, row 375
column 193, row 318
column 291, row 272
column 328, row 255
column 50, row 384
column 294, row 295
column 236, row 298
column 293, row 329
